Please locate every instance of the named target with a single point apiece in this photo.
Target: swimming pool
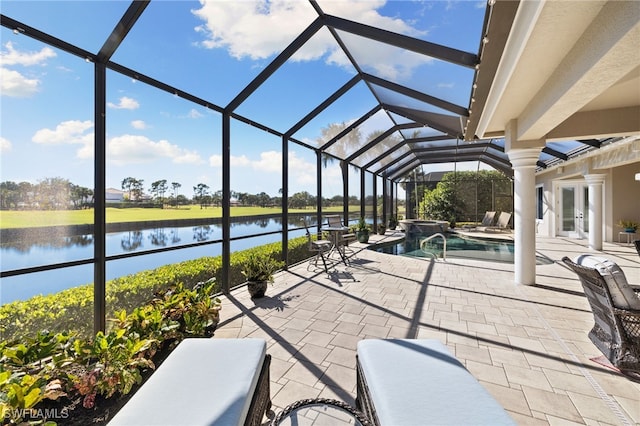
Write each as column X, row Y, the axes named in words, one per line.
column 457, row 247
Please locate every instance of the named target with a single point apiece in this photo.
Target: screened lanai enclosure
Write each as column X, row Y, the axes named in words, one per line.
column 289, row 110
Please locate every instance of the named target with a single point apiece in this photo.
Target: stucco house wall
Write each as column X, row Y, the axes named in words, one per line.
column 621, row 194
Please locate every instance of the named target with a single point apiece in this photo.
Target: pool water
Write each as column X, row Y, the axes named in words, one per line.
column 457, row 247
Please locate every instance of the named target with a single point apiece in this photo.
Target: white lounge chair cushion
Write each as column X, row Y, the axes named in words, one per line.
column 622, row 293
column 202, row 382
column 419, row 382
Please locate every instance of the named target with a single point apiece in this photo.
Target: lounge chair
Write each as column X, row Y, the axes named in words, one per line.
column 204, row 382
column 616, row 311
column 487, row 220
column 420, row 382
column 502, row 223
column 637, row 244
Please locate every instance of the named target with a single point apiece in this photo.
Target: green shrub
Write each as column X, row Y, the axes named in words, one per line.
column 72, row 309
column 110, row 364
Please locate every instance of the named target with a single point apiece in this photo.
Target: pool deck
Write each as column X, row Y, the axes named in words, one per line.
column 527, row 345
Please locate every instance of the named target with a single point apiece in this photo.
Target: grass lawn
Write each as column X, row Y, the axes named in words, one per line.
column 36, row 218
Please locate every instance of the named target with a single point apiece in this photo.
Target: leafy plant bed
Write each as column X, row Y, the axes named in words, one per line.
column 70, row 411
column 74, row 380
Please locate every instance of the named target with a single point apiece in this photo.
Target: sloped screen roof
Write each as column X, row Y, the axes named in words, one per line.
column 385, row 86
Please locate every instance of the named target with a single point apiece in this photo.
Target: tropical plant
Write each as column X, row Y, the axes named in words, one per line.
column 393, row 222
column 362, row 225
column 20, row 392
column 50, row 365
column 628, row 225
column 260, row 268
column 113, row 364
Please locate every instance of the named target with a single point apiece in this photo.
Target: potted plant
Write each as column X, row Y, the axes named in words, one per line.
column 393, row 222
column 258, row 271
column 628, row 225
column 362, row 231
column 381, row 229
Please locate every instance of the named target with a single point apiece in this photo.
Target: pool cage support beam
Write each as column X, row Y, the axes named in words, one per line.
column 344, row 166
column 285, row 201
column 374, row 183
column 318, row 190
column 99, row 214
column 362, row 191
column 226, row 198
column 384, row 201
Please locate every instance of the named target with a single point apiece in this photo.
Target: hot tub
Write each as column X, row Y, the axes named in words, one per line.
column 417, row 226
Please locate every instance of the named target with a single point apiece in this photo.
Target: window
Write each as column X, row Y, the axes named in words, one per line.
column 539, row 202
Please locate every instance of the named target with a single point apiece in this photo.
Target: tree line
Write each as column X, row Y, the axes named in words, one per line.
column 60, row 194
column 48, row 194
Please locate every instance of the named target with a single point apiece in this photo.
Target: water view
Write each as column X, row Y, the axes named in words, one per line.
column 51, row 247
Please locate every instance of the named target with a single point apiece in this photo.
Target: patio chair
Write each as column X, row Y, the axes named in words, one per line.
column 616, row 311
column 487, row 220
column 320, row 247
column 637, row 244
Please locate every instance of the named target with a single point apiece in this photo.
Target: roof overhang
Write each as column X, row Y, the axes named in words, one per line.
column 563, row 70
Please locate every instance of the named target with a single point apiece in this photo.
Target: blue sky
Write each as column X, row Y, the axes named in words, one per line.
column 212, row 50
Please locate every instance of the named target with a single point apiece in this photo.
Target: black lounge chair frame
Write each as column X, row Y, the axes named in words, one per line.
column 261, row 400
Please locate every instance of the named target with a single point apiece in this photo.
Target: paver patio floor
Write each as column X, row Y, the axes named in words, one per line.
column 527, row 345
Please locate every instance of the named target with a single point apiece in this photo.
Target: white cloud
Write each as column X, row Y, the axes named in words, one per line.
column 301, row 171
column 67, row 132
column 269, row 162
column 446, row 85
column 252, row 29
column 194, row 113
column 86, row 151
column 124, row 103
column 72, row 132
column 241, row 161
column 261, row 29
column 188, row 157
column 14, row 84
column 138, row 124
column 11, row 56
column 134, row 149
column 5, row 145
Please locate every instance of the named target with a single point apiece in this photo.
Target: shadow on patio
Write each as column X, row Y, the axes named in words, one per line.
column 527, row 345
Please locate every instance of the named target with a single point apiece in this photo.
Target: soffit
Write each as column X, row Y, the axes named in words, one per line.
column 568, row 58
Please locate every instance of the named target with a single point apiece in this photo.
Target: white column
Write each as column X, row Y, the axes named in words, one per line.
column 524, row 161
column 595, row 182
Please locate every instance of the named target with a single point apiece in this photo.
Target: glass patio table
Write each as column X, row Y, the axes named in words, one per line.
column 320, row 411
column 336, row 234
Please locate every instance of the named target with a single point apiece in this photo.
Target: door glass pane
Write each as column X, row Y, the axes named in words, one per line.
column 585, row 208
column 568, row 209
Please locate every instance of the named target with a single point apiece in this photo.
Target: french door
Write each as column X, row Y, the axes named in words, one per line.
column 573, row 212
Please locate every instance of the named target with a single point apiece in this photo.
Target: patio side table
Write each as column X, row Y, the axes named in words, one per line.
column 628, row 236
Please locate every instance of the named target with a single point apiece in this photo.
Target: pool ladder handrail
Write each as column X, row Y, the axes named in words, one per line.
column 430, row 237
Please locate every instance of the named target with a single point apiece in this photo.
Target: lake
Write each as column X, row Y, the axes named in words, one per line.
column 50, row 247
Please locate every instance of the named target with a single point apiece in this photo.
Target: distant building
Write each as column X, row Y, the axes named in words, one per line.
column 113, row 195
